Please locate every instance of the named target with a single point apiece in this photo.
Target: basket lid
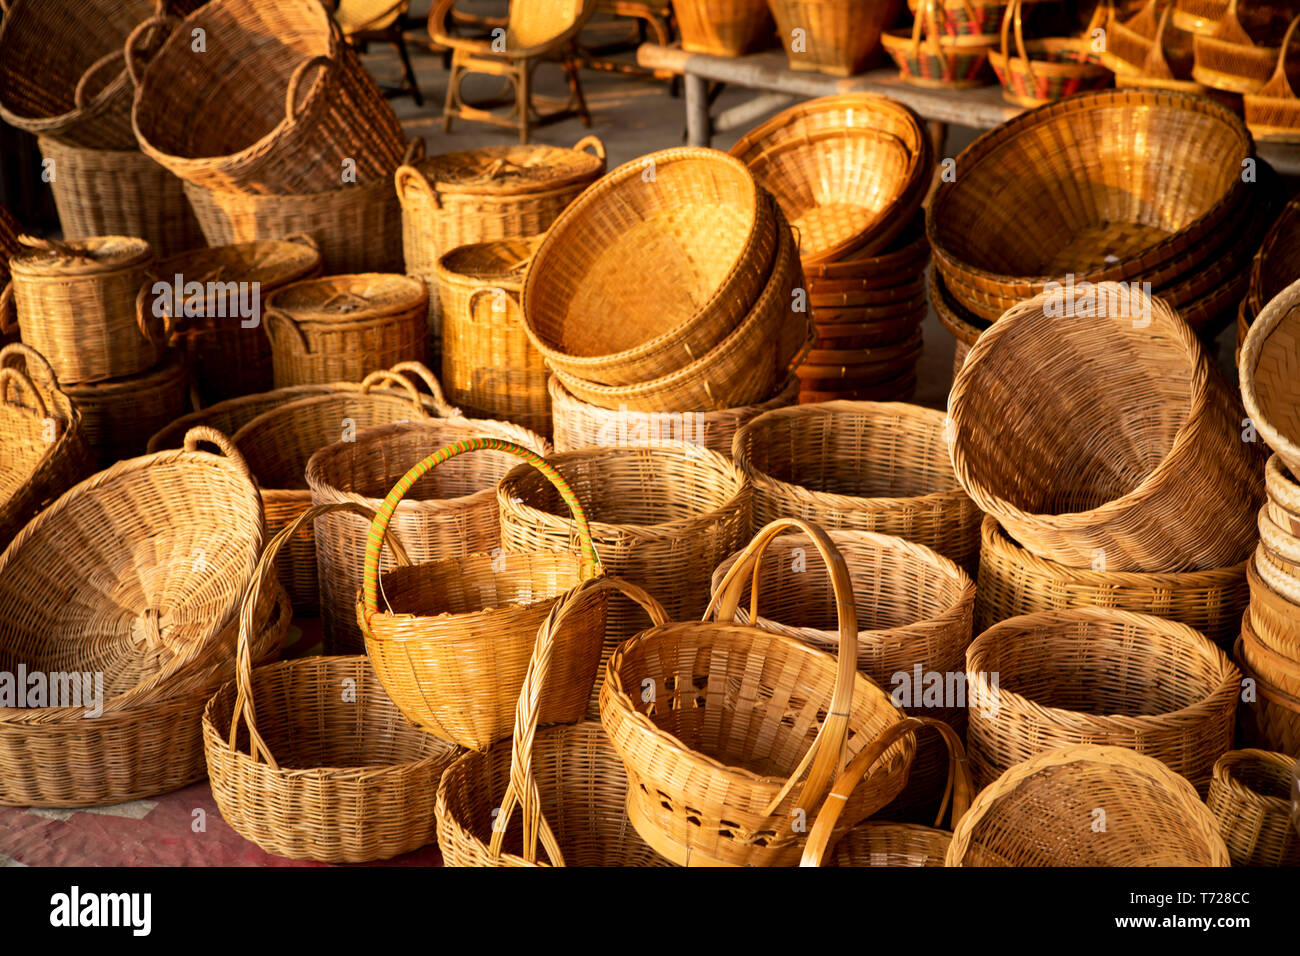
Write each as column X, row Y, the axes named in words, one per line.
column 497, row 261
column 74, row 257
column 503, row 170
column 365, row 295
column 270, row 262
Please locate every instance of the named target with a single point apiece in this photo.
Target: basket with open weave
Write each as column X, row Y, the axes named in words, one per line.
column 1239, row 56
column 1250, row 797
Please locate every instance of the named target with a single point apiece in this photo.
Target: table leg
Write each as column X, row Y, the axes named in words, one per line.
column 699, row 128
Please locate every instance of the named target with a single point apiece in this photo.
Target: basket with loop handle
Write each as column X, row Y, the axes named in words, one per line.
column 43, row 448
column 567, row 782
column 1044, row 70
column 1273, row 112
column 309, row 758
column 931, row 53
column 864, row 844
column 1232, row 59
column 278, row 443
column 685, row 703
column 1269, row 368
column 1250, row 797
column 452, row 639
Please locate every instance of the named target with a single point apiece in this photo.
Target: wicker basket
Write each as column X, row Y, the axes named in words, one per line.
column 713, row 236
column 938, row 51
column 1273, row 113
column 299, row 115
column 1276, row 667
column 567, row 782
column 964, row 326
column 578, row 424
column 849, row 171
column 1270, row 717
column 1013, row 581
column 76, row 305
column 1230, row 59
column 120, row 414
column 746, row 367
column 1045, row 70
column 1274, row 616
column 324, row 767
column 43, row 449
column 1099, row 676
column 891, row 844
column 1139, row 467
column 1250, row 797
column 662, row 517
column 905, row 260
column 723, row 27
column 488, row 364
column 61, row 69
column 278, row 443
column 715, row 778
column 1279, row 548
column 102, row 192
column 1045, row 812
column 1269, row 369
column 450, row 514
column 1275, row 266
column 1185, row 152
column 338, row 328
column 870, row 466
column 1199, row 16
column 1283, row 492
column 914, row 611
column 837, row 37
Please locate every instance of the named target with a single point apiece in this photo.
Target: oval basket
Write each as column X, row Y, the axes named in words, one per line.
column 1250, row 797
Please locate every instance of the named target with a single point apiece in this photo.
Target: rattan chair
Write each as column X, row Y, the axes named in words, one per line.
column 379, row 21
column 536, row 30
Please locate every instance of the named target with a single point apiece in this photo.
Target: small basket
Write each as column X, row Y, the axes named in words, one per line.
column 324, row 767
column 1273, row 112
column 1250, row 797
column 1013, row 581
column 1045, row 70
column 453, row 639
column 1045, row 812
column 1230, row 59
column 119, row 415
column 230, row 115
column 1155, row 71
column 869, row 466
column 837, row 37
column 103, row 192
column 1085, row 473
column 75, row 303
column 43, row 448
column 451, row 513
column 723, row 27
column 1269, row 369
column 1099, row 676
column 578, row 424
column 338, row 328
column 567, row 781
column 935, row 53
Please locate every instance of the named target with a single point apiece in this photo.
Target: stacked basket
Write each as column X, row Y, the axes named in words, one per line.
column 849, row 173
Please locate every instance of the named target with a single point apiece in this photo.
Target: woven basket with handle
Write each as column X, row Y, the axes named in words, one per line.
column 682, row 706
column 1050, row 811
column 566, row 781
column 837, row 37
column 309, row 759
column 1273, row 112
column 1250, row 797
column 947, row 46
column 1239, row 56
column 1044, row 70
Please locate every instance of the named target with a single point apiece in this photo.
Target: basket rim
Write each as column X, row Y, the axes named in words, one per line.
column 1267, row 321
column 170, row 369
column 298, row 262
column 409, row 292
column 560, row 395
column 1281, row 485
column 453, row 189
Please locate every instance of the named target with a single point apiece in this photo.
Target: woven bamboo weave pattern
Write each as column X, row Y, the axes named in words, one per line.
column 1250, row 797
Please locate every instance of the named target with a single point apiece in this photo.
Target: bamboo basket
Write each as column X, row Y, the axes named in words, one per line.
column 662, row 517
column 1270, row 717
column 1112, row 470
column 1199, row 16
column 453, row 639
column 914, row 613
column 700, row 790
column 295, row 116
column 1250, row 797
column 1275, row 667
column 78, row 300
column 1099, row 676
column 713, row 235
column 488, row 364
column 278, row 443
column 316, row 772
column 838, row 37
column 338, row 328
column 61, row 69
column 578, row 424
column 147, row 747
column 1273, row 112
column 1274, row 617
column 723, row 27
column 109, row 192
column 1155, row 70
column 891, row 844
column 1043, row 813
column 966, row 22
column 1045, row 70
column 964, row 326
column 936, row 53
column 449, row 514
column 1283, row 492
column 814, row 158
column 746, row 367
column 227, row 351
column 567, row 782
column 1275, row 265
column 1013, row 581
column 868, row 466
column 119, row 415
column 1269, row 369
column 907, row 259
column 1230, row 59
column 43, row 449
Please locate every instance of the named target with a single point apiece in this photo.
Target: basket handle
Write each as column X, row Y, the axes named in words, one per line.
column 489, row 290
column 375, row 540
column 296, row 79
column 414, row 151
column 81, row 94
column 8, row 310
column 205, row 433
column 53, row 245
column 131, row 52
column 522, row 790
column 24, row 384
column 35, row 365
column 384, row 377
column 958, row 790
column 169, row 326
column 304, row 239
column 257, row 747
column 825, row 757
column 421, row 371
column 1279, row 74
column 593, row 143
column 274, row 319
column 408, row 180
